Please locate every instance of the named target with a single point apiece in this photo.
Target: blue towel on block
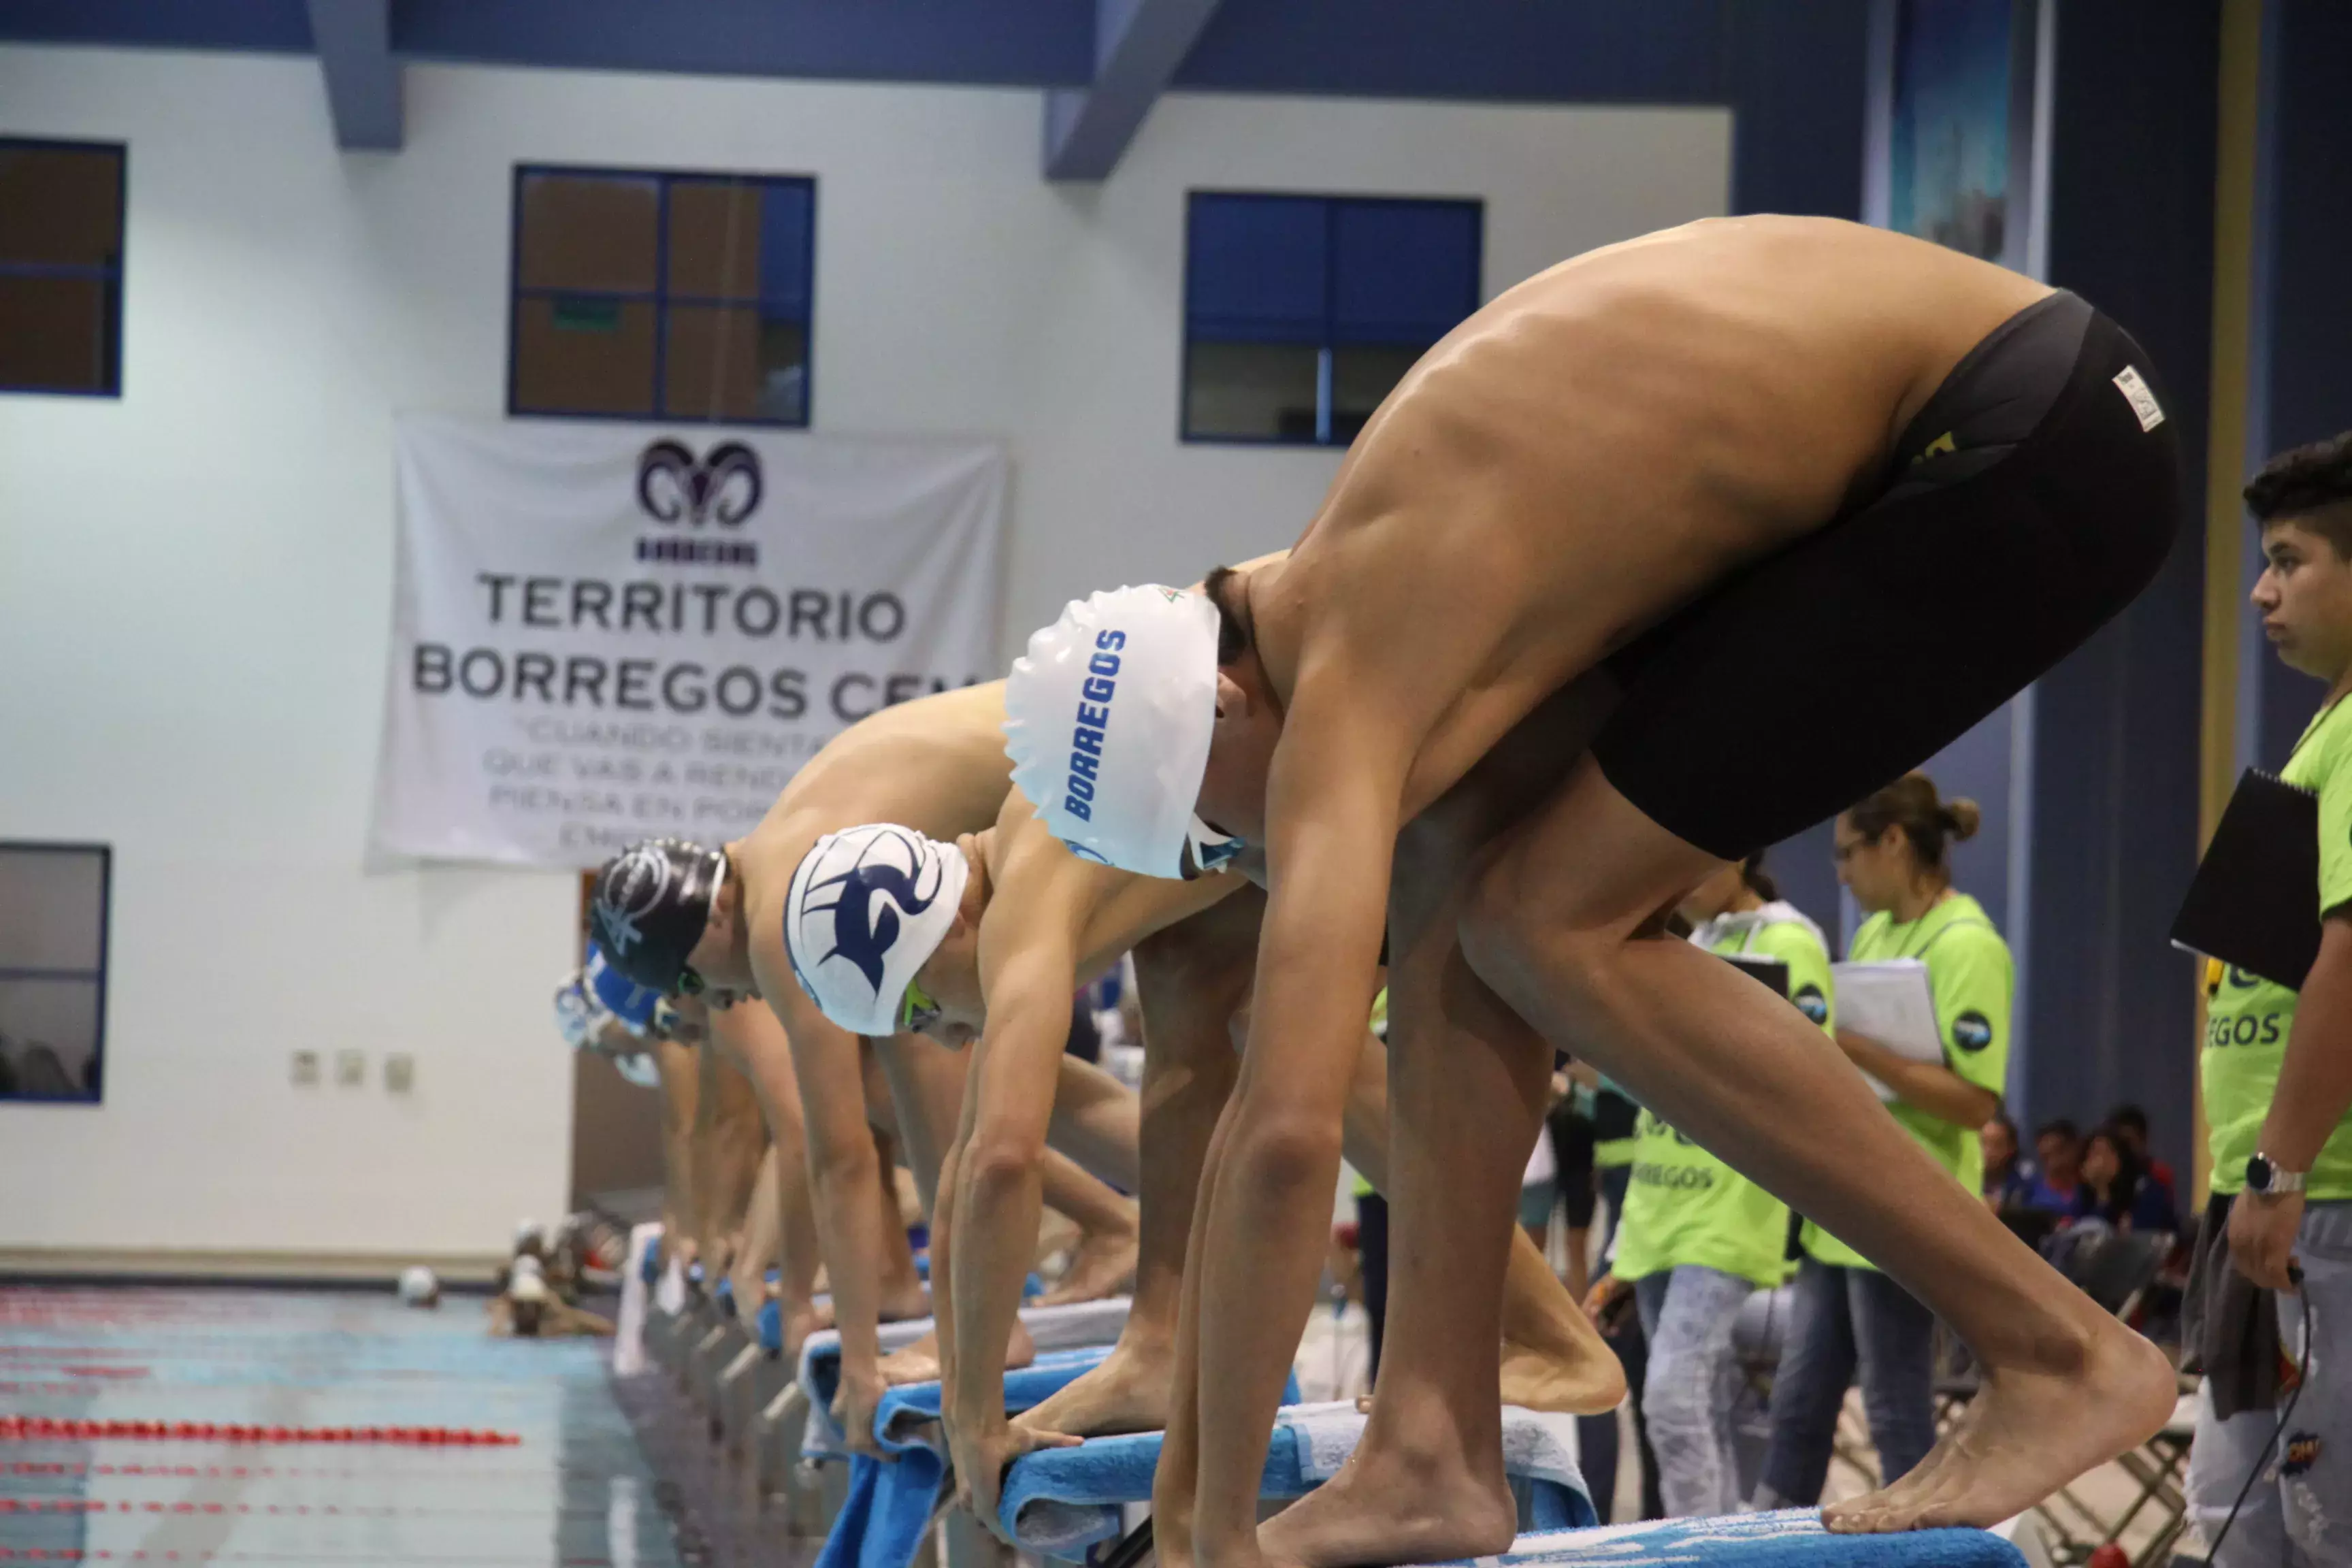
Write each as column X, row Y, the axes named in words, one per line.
column 1059, row 1501
column 770, row 1326
column 890, row 1501
column 1790, row 1539
column 1088, row 1323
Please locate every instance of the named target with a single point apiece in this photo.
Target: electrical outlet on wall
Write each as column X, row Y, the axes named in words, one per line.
column 399, row 1072
column 306, row 1069
column 351, row 1068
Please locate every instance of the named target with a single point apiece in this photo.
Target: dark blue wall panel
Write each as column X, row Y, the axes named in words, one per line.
column 269, row 25
column 1797, row 78
column 1658, row 51
column 1045, row 43
column 2303, row 309
column 2111, row 1007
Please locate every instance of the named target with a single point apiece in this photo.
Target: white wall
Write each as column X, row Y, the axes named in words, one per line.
column 194, row 580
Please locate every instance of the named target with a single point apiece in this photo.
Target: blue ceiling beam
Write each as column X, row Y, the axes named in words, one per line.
column 353, row 39
column 1139, row 45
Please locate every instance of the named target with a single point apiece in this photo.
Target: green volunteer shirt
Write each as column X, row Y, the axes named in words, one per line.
column 2247, row 1018
column 1685, row 1206
column 1971, row 978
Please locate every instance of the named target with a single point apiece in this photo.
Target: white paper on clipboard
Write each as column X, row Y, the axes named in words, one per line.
column 1891, row 1003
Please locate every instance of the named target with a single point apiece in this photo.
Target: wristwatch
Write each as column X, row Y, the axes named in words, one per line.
column 2268, row 1177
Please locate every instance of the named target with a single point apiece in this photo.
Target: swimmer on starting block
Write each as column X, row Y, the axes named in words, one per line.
column 684, row 917
column 1848, row 445
column 1030, row 917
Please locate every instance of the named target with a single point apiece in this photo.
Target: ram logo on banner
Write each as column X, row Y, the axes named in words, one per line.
column 602, row 633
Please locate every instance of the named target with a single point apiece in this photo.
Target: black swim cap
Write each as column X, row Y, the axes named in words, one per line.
column 651, row 903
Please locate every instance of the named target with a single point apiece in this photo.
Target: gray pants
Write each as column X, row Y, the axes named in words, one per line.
column 1691, row 1385
column 2300, row 1510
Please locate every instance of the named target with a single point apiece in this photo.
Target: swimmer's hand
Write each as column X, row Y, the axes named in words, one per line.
column 853, row 1409
column 1606, row 1292
column 983, row 1451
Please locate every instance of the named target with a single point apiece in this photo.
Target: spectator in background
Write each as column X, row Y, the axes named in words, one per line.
column 2116, row 1189
column 2007, row 1178
column 2060, row 1145
column 2131, row 1121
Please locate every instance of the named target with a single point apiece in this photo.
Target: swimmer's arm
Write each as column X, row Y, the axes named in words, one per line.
column 843, row 1170
column 679, row 1077
column 1332, row 832
column 1028, row 970
column 1931, row 1086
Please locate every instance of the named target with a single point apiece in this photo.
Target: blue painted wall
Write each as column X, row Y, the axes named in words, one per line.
column 2111, row 1010
column 2303, row 364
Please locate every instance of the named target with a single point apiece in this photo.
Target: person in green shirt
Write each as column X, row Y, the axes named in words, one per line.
column 2277, row 1072
column 1698, row 1236
column 1891, row 853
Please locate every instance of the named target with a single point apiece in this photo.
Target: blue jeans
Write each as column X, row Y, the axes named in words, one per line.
column 1841, row 1318
column 2300, row 1512
column 1691, row 1385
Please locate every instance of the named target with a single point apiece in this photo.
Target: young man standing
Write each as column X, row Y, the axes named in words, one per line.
column 2278, row 1086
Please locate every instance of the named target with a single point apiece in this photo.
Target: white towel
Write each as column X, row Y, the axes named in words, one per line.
column 1538, row 1445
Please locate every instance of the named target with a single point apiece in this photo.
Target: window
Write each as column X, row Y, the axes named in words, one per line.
column 650, row 296
column 1302, row 312
column 61, row 267
column 53, row 899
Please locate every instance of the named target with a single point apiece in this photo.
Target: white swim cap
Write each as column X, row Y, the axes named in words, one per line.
column 527, row 1288
column 1108, row 719
column 418, row 1287
column 868, row 907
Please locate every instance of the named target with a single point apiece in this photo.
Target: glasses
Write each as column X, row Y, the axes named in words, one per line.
column 917, row 1011
column 689, row 984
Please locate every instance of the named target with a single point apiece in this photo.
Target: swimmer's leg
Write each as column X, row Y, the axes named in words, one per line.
column 1563, row 927
column 1468, row 1083
column 1191, row 979
column 1553, row 1358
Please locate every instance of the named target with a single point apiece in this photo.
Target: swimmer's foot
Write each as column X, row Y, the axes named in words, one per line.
column 2027, row 1432
column 1104, row 1265
column 1128, row 1392
column 1579, row 1377
column 903, row 1303
column 916, row 1362
column 1554, row 1359
column 1387, row 1506
column 920, row 1362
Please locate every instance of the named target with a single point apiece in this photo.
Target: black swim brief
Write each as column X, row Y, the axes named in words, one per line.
column 2035, row 496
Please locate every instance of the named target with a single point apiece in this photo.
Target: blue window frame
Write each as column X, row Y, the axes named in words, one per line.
column 61, row 222
column 54, row 901
column 1302, row 312
column 643, row 294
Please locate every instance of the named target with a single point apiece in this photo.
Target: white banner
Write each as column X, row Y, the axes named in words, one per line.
column 602, row 633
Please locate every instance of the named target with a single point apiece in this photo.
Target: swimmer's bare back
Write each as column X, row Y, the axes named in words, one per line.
column 1591, row 449
column 936, row 764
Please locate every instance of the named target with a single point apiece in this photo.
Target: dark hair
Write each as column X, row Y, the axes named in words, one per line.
column 2119, row 1204
column 1756, row 879
column 2128, row 1115
column 2309, row 487
column 1232, row 632
column 1927, row 820
column 2061, row 1126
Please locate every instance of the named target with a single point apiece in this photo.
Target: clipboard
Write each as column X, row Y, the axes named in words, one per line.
column 1892, row 1003
column 2254, row 901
